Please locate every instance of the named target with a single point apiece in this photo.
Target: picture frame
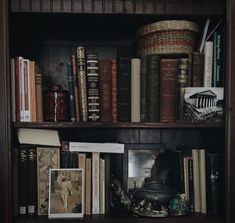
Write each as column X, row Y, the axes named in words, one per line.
column 138, row 161
column 66, row 193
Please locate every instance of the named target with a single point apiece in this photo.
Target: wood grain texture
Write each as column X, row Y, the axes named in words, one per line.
column 158, row 7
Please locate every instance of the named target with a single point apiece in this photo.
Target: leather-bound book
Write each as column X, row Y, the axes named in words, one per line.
column 124, row 89
column 214, row 183
column 75, row 85
column 23, row 180
column 168, row 89
column 197, row 69
column 82, row 85
column 32, row 180
column 153, row 87
column 72, row 116
column 105, row 70
column 93, row 94
column 39, row 108
column 143, row 90
column 114, row 91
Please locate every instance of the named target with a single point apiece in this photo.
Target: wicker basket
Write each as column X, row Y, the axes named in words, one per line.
column 165, row 37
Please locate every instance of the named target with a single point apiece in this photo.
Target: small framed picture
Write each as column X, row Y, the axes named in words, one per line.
column 139, row 160
column 66, row 193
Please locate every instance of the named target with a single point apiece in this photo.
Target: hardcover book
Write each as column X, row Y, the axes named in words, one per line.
column 93, row 93
column 114, row 91
column 39, row 108
column 105, row 69
column 153, row 87
column 204, row 104
column 124, row 91
column 168, row 93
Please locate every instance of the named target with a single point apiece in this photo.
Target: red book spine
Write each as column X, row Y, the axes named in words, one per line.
column 168, row 83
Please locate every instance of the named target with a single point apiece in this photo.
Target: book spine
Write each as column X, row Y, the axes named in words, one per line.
column 191, row 184
column 168, row 97
column 196, row 180
column 114, row 91
column 27, row 115
column 76, row 91
column 202, row 174
column 93, row 94
column 153, row 87
column 23, row 180
column 208, row 51
column 186, row 177
column 214, row 62
column 82, row 85
column 198, row 69
column 214, row 183
column 71, row 92
column 73, row 159
column 82, row 165
column 15, row 180
column 39, row 108
column 102, row 186
column 17, row 93
column 107, row 158
column 13, row 99
column 143, row 90
column 22, row 95
column 182, row 83
column 105, row 69
column 219, row 60
column 88, row 187
column 32, row 91
column 135, row 90
column 32, row 180
column 95, row 183
column 124, row 91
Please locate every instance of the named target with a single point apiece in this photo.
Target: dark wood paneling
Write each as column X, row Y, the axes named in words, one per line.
column 159, row 7
column 5, row 169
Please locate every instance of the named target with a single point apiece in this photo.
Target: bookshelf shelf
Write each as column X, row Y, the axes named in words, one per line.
column 202, row 218
column 126, row 125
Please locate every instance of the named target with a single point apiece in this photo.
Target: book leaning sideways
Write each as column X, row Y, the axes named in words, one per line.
column 96, row 147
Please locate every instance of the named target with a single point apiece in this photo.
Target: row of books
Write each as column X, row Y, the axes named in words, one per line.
column 35, row 162
column 202, row 178
column 26, row 90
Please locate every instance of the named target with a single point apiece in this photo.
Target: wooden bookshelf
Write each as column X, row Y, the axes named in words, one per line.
column 48, row 24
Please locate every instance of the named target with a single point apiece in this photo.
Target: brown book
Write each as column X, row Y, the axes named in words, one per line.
column 17, row 88
column 105, row 69
column 39, row 109
column 88, row 186
column 82, row 165
column 114, row 90
column 32, row 91
column 198, row 69
column 76, row 95
column 168, row 93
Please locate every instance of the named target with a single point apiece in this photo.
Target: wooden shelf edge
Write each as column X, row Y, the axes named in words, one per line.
column 124, row 125
column 194, row 218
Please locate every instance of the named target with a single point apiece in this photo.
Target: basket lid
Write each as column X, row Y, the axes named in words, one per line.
column 168, row 25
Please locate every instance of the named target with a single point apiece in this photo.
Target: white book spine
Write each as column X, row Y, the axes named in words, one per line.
column 208, row 51
column 196, row 180
column 135, row 90
column 186, row 178
column 95, row 183
column 13, row 105
column 202, row 169
column 27, row 110
column 21, row 78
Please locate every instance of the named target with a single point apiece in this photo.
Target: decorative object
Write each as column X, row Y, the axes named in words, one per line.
column 138, row 162
column 66, row 193
column 168, row 36
column 56, row 104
